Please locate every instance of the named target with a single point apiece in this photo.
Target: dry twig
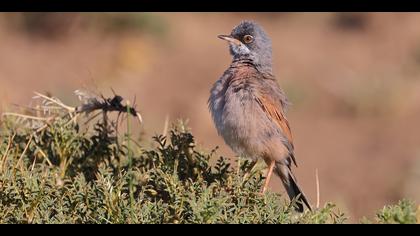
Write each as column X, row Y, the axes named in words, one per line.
column 52, row 108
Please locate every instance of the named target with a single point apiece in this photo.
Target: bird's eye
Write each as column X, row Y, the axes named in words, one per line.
column 248, row 39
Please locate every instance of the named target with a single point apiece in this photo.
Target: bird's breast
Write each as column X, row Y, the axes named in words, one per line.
column 237, row 117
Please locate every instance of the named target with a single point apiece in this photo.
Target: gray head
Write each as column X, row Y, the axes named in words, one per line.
column 249, row 41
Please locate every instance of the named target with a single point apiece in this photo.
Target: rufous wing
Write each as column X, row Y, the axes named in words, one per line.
column 274, row 110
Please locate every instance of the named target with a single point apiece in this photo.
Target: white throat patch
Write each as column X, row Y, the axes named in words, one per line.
column 240, row 50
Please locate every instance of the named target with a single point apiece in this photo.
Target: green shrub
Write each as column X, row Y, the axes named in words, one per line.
column 62, row 175
column 402, row 213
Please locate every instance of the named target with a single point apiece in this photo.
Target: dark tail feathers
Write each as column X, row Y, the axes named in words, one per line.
column 292, row 188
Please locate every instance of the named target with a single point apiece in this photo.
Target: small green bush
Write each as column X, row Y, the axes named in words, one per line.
column 402, row 213
column 62, row 175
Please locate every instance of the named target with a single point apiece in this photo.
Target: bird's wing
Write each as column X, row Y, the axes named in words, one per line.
column 274, row 110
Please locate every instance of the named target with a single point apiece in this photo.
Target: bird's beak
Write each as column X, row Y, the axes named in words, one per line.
column 230, row 39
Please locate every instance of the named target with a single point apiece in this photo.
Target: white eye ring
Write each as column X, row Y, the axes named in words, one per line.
column 248, row 38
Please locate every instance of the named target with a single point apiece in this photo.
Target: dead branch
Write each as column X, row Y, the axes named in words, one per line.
column 52, row 108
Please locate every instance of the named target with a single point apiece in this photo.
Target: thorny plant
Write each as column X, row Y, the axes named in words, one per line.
column 51, row 172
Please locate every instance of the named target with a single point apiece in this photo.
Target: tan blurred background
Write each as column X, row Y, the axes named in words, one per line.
column 353, row 79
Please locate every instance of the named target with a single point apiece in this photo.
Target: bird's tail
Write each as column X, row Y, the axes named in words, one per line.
column 292, row 188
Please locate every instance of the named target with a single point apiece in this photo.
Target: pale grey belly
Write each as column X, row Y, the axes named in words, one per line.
column 243, row 125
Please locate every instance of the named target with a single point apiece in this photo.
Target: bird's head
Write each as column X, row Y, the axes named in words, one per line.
column 249, row 41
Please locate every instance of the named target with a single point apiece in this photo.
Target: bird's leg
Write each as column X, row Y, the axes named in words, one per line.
column 268, row 177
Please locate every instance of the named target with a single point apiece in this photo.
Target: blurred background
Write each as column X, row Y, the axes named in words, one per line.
column 353, row 80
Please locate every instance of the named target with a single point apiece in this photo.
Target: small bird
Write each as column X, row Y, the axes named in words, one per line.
column 248, row 108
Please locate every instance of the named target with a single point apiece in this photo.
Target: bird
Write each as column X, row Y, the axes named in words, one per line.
column 248, row 108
